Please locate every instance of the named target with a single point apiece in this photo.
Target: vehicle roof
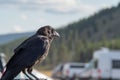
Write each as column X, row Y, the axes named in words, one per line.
column 74, row 63
column 106, row 52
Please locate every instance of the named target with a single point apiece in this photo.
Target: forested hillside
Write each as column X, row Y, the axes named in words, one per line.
column 79, row 39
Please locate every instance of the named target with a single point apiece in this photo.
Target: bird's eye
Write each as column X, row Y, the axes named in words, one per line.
column 48, row 32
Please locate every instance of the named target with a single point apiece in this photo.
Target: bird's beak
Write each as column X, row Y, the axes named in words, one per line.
column 56, row 34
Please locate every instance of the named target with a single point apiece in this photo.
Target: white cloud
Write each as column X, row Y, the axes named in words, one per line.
column 59, row 6
column 56, row 5
column 68, row 6
column 104, row 5
column 23, row 1
column 23, row 16
column 55, row 2
column 17, row 29
column 86, row 8
column 71, row 6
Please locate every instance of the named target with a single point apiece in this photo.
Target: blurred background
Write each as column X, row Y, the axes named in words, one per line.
column 85, row 26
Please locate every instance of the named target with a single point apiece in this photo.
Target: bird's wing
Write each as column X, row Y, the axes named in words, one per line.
column 31, row 49
column 23, row 44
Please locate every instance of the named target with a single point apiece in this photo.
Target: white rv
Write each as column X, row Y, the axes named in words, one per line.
column 105, row 64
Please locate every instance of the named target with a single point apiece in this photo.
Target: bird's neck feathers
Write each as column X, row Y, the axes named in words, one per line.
column 42, row 37
column 45, row 37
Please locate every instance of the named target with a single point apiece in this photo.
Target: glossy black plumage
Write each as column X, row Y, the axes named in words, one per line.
column 30, row 52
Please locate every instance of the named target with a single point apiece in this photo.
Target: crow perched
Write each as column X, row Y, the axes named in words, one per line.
column 30, row 52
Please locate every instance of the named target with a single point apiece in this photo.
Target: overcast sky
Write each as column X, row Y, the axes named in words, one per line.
column 28, row 15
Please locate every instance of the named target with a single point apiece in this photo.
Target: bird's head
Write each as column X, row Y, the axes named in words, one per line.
column 48, row 31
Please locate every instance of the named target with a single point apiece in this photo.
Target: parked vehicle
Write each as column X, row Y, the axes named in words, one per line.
column 57, row 72
column 86, row 73
column 68, row 70
column 105, row 64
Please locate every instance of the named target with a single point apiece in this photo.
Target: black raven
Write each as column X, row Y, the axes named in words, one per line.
column 30, row 52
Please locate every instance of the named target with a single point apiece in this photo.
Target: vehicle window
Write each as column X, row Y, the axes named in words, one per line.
column 96, row 64
column 116, row 64
column 77, row 66
column 59, row 67
column 90, row 65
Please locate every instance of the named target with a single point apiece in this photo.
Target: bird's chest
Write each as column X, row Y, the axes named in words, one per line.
column 46, row 52
column 41, row 58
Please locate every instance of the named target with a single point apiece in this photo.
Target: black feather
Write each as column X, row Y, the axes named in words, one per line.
column 29, row 53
